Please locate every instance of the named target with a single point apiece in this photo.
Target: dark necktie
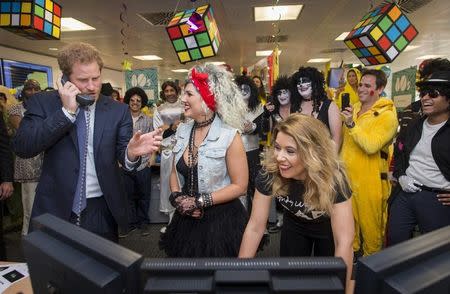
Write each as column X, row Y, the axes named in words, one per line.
column 82, row 122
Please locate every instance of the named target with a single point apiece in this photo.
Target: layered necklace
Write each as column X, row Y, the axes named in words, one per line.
column 193, row 151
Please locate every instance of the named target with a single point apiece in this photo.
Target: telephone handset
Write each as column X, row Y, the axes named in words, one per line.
column 82, row 99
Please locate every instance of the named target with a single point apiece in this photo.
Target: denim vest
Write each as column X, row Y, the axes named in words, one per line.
column 212, row 166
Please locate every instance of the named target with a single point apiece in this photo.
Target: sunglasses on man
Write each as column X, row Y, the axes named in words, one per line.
column 432, row 93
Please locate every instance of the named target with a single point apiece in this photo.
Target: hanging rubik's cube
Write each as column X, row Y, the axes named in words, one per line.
column 381, row 35
column 37, row 19
column 194, row 34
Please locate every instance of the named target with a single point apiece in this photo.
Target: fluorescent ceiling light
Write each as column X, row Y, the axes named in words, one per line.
column 411, row 47
column 217, row 62
column 169, row 78
column 53, row 49
column 279, row 12
column 180, row 70
column 69, row 24
column 147, row 57
column 319, row 60
column 428, row 57
column 342, row 36
column 266, row 52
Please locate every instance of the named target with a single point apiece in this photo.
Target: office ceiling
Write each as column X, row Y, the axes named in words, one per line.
column 310, row 36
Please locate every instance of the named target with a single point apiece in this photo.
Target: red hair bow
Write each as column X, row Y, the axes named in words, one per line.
column 200, row 81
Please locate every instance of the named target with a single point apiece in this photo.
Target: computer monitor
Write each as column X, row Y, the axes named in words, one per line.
column 420, row 265
column 64, row 258
column 232, row 275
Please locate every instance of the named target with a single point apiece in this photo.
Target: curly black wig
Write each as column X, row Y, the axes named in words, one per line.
column 317, row 84
column 283, row 82
column 253, row 101
column 136, row 91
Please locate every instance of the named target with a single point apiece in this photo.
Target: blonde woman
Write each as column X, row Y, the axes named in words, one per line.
column 209, row 171
column 303, row 171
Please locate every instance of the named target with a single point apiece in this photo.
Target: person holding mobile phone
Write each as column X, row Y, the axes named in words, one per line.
column 369, row 128
column 80, row 179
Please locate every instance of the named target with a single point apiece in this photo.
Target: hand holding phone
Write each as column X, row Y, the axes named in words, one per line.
column 83, row 100
column 345, row 101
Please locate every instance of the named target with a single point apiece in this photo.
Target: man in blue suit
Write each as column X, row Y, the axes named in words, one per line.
column 81, row 180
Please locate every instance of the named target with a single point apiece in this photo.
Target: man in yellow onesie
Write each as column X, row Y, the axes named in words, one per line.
column 371, row 124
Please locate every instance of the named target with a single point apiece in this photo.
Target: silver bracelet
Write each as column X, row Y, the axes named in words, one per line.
column 206, row 200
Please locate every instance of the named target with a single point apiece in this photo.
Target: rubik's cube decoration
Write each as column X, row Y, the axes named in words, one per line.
column 194, row 34
column 381, row 35
column 37, row 19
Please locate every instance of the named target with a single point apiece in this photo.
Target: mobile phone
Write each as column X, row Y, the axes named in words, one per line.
column 345, row 102
column 82, row 99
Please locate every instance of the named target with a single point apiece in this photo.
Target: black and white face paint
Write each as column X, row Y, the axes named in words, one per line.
column 245, row 91
column 284, row 97
column 304, row 87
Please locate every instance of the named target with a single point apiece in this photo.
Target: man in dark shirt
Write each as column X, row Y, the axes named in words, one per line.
column 422, row 170
column 6, row 177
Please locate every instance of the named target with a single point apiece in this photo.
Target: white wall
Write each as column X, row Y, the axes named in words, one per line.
column 115, row 77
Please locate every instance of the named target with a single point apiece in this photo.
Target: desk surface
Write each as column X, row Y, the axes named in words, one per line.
column 22, row 286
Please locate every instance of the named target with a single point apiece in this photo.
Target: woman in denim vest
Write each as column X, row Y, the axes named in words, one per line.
column 210, row 169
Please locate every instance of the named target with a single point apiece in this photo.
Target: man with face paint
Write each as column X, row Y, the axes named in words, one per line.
column 251, row 132
column 370, row 126
column 308, row 88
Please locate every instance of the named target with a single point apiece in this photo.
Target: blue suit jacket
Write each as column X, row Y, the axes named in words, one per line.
column 45, row 128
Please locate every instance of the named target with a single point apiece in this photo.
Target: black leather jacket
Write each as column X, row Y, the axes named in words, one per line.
column 440, row 148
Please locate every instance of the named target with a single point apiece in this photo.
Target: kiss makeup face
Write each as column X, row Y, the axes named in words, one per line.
column 284, row 97
column 245, row 91
column 304, row 87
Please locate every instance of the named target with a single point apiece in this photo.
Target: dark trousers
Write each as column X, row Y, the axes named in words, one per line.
column 98, row 219
column 2, row 241
column 410, row 209
column 138, row 187
column 296, row 241
column 253, row 168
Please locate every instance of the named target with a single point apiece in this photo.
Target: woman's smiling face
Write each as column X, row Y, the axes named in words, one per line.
column 286, row 153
